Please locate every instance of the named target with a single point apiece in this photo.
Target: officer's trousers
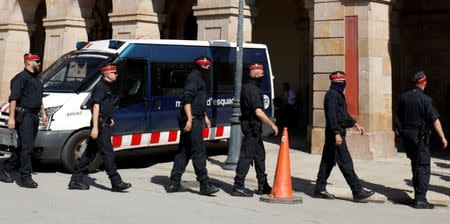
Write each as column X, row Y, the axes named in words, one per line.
column 102, row 144
column 21, row 157
column 192, row 147
column 419, row 154
column 252, row 150
column 331, row 155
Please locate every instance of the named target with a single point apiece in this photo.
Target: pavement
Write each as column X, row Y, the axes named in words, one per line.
column 148, row 202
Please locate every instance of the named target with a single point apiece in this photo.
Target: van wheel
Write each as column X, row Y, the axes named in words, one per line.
column 74, row 149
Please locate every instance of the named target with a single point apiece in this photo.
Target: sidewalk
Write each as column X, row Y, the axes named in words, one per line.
column 390, row 178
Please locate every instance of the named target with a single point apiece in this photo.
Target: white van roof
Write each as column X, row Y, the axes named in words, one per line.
column 103, row 45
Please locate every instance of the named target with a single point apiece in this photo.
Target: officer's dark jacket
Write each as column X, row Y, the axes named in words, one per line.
column 27, row 90
column 194, row 93
column 416, row 110
column 102, row 95
column 251, row 99
column 336, row 114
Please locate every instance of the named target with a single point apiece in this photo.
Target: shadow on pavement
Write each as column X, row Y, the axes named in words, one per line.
column 216, row 162
column 439, row 189
column 304, row 186
column 91, row 182
column 443, row 177
column 395, row 195
column 164, row 182
column 442, row 165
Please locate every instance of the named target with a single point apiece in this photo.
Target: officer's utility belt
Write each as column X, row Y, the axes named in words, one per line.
column 22, row 111
column 27, row 110
column 198, row 117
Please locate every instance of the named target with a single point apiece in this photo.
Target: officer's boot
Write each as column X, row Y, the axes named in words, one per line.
column 120, row 186
column 422, row 204
column 28, row 183
column 208, row 189
column 323, row 194
column 263, row 187
column 362, row 194
column 175, row 186
column 5, row 176
column 77, row 185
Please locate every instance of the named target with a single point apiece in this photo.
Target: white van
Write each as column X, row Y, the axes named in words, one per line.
column 151, row 78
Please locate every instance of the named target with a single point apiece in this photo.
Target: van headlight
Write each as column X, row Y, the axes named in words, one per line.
column 50, row 112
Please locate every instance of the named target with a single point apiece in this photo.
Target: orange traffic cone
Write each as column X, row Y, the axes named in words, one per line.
column 282, row 185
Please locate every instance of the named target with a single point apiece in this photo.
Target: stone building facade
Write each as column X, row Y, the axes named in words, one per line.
column 379, row 43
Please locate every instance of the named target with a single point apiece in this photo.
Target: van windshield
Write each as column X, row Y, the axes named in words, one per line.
column 72, row 72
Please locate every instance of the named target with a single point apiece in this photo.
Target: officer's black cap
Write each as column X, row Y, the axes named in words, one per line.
column 418, row 77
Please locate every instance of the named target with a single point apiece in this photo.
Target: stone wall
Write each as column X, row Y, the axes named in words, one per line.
column 374, row 73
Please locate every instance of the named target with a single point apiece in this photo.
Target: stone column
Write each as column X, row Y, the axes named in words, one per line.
column 328, row 55
column 14, row 42
column 136, row 19
column 217, row 19
column 374, row 87
column 64, row 27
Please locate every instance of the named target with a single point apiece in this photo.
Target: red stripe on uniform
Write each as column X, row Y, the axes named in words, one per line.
column 136, row 139
column 155, row 138
column 205, row 132
column 219, row 131
column 117, row 141
column 173, row 136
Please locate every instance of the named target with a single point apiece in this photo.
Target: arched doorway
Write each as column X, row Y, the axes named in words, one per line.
column 37, row 37
column 100, row 28
column 180, row 22
column 285, row 29
column 420, row 40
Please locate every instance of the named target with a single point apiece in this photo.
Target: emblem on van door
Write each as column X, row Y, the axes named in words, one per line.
column 266, row 102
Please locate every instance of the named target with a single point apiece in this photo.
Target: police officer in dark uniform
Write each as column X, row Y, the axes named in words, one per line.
column 252, row 148
column 102, row 102
column 335, row 149
column 416, row 113
column 191, row 118
column 25, row 104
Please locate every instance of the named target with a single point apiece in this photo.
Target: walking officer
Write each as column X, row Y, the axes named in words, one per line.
column 102, row 102
column 252, row 148
column 25, row 104
column 335, row 149
column 417, row 113
column 191, row 119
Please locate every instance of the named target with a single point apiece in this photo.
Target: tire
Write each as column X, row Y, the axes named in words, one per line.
column 73, row 150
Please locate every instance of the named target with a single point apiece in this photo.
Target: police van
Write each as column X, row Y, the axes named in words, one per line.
column 148, row 90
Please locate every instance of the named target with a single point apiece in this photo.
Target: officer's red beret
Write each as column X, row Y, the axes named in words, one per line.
column 31, row 57
column 256, row 66
column 203, row 61
column 109, row 68
column 337, row 75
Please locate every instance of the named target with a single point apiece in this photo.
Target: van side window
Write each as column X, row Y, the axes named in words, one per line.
column 168, row 78
column 131, row 82
column 224, row 68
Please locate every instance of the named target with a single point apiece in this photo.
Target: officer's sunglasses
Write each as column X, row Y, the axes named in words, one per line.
column 37, row 61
